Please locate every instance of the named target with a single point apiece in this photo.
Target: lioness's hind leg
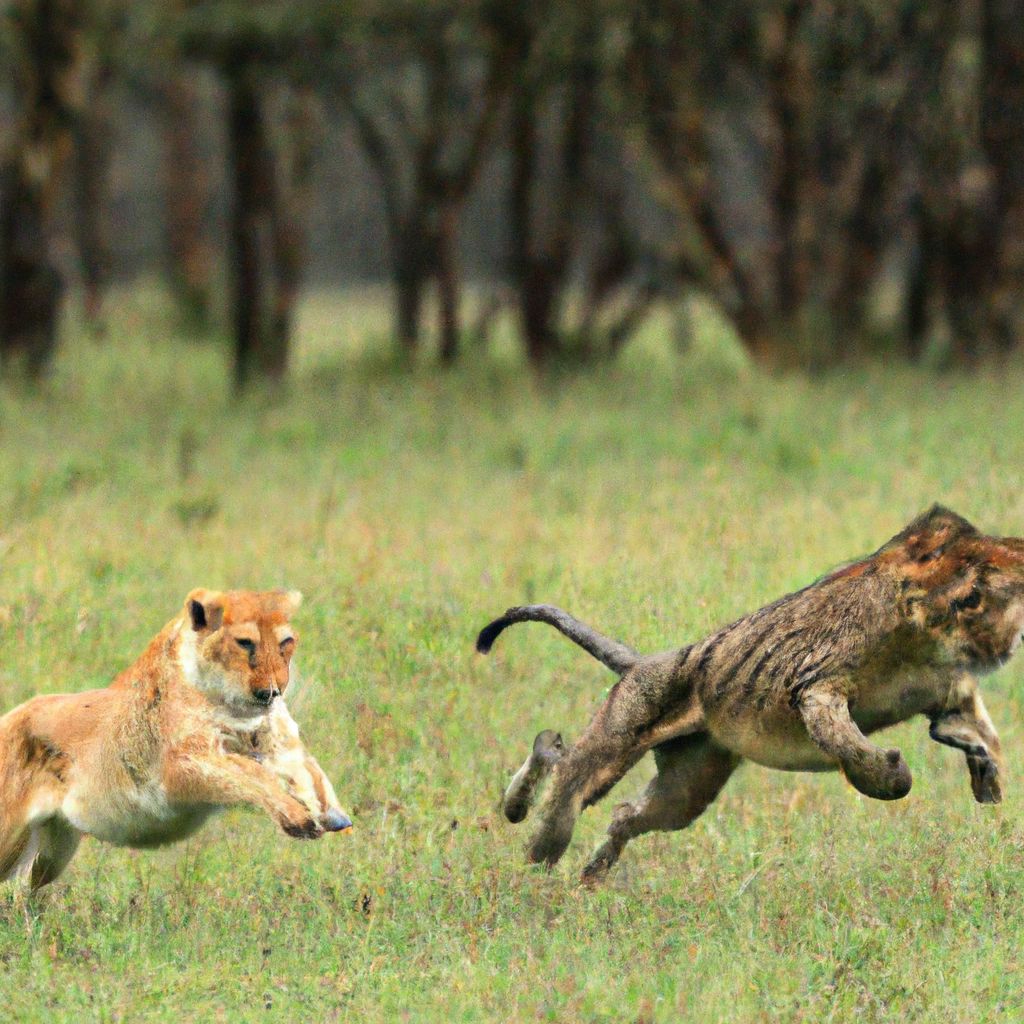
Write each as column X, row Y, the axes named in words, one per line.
column 548, row 750
column 968, row 728
column 14, row 840
column 56, row 842
column 691, row 772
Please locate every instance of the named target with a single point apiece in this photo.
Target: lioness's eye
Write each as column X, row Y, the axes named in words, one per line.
column 287, row 643
column 248, row 646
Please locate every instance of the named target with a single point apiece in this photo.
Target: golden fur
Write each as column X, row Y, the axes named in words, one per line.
column 197, row 723
column 796, row 685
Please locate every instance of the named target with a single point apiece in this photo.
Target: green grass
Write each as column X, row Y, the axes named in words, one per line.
column 655, row 499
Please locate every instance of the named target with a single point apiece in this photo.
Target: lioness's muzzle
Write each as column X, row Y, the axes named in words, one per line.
column 336, row 821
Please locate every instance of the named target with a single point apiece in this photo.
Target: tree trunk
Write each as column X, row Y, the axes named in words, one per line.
column 409, row 285
column 94, row 146
column 532, row 275
column 788, row 100
column 187, row 192
column 32, row 287
column 260, row 349
column 536, row 307
column 45, row 40
column 447, row 274
column 1002, row 38
column 920, row 281
column 299, row 136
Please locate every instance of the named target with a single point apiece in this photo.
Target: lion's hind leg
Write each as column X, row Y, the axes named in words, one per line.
column 691, row 772
column 548, row 750
column 648, row 707
column 33, row 848
column 36, row 841
column 14, row 848
column 31, row 791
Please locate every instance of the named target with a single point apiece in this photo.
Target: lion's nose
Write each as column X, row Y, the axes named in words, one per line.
column 265, row 696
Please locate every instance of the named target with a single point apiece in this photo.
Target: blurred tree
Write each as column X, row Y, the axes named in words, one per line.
column 93, row 132
column 182, row 96
column 188, row 192
column 44, row 41
column 804, row 101
column 424, row 81
column 583, row 280
column 260, row 50
column 967, row 134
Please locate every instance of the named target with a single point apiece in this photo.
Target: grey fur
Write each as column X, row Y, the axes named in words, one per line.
column 548, row 750
column 618, row 657
column 797, row 685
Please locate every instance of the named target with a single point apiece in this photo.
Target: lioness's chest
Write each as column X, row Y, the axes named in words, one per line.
column 140, row 817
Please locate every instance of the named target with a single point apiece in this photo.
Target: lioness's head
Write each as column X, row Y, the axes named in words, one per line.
column 239, row 643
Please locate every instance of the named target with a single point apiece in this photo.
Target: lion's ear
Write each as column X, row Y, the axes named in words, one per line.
column 205, row 609
column 294, row 599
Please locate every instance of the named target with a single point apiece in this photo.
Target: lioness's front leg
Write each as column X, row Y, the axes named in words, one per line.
column 310, row 784
column 279, row 748
column 225, row 779
column 878, row 773
column 968, row 728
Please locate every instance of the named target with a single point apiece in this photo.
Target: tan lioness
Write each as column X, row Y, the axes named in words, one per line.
column 196, row 724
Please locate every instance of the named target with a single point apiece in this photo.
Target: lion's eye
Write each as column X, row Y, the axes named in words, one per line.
column 972, row 600
column 249, row 646
column 287, row 644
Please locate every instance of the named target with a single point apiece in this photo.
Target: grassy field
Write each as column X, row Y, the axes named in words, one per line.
column 655, row 499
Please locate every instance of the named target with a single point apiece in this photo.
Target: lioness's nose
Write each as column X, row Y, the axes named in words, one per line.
column 336, row 821
column 265, row 696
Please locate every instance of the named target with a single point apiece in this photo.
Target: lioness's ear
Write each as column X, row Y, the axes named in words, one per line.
column 294, row 599
column 205, row 609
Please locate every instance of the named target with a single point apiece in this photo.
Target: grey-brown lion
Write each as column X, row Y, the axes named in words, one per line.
column 797, row 685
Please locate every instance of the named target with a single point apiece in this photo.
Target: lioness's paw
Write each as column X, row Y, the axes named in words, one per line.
column 301, row 825
column 335, row 821
column 309, row 829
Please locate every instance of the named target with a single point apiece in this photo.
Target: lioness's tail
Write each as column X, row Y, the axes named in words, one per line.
column 618, row 657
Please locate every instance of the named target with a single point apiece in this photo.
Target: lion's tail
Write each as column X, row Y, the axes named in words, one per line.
column 618, row 657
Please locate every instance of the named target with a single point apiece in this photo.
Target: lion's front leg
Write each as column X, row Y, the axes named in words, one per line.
column 967, row 727
column 281, row 750
column 878, row 773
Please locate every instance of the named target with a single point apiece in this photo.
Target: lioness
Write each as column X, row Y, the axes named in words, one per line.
column 795, row 686
column 197, row 723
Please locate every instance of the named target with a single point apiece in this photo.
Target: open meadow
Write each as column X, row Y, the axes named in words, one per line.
column 655, row 498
